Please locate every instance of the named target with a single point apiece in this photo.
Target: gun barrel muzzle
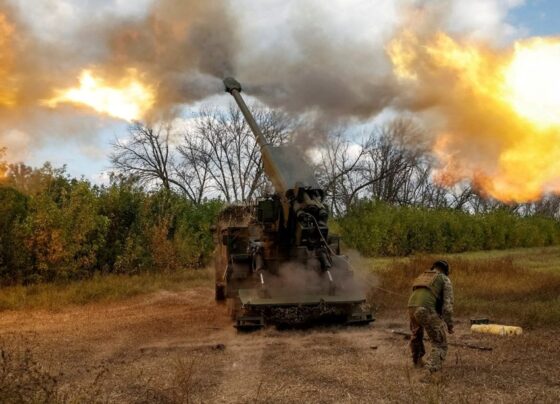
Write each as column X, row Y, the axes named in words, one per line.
column 231, row 84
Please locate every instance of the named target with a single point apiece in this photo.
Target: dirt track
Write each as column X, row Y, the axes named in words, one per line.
column 181, row 347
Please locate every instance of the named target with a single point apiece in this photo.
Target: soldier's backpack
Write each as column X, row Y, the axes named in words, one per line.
column 427, row 280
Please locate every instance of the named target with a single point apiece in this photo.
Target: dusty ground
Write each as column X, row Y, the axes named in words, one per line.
column 181, row 347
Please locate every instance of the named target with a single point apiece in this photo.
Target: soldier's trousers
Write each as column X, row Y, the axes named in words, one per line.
column 422, row 318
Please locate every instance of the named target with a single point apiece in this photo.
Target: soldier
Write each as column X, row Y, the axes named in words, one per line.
column 431, row 307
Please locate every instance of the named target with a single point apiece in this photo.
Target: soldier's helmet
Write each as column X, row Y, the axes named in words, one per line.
column 443, row 265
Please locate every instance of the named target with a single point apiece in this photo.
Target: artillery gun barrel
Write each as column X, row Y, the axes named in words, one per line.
column 234, row 88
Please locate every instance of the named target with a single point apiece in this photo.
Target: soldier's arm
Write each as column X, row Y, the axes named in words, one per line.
column 447, row 309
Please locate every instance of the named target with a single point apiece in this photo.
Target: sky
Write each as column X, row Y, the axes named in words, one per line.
column 87, row 155
column 539, row 17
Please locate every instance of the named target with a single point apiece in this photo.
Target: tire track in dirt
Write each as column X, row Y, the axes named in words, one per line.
column 242, row 368
column 313, row 370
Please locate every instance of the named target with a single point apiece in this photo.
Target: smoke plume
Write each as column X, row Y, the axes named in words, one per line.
column 341, row 60
column 179, row 50
column 185, row 47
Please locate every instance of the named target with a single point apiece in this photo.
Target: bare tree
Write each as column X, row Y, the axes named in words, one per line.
column 193, row 167
column 149, row 156
column 461, row 196
column 548, row 206
column 219, row 157
column 145, row 154
column 222, row 151
column 394, row 164
column 387, row 166
column 339, row 170
column 391, row 165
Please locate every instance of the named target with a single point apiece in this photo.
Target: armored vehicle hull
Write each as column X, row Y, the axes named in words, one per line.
column 275, row 260
column 290, row 289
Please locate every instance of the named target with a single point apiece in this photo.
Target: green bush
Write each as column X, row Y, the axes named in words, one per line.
column 62, row 229
column 13, row 212
column 377, row 228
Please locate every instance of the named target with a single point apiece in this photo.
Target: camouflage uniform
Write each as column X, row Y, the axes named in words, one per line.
column 431, row 308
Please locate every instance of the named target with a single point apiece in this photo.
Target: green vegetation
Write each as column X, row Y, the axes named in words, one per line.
column 378, row 228
column 64, row 241
column 519, row 286
column 53, row 228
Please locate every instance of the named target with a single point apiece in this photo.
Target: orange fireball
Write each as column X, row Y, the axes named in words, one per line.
column 129, row 99
column 498, row 110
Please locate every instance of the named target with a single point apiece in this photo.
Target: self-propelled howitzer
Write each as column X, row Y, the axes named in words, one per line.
column 276, row 261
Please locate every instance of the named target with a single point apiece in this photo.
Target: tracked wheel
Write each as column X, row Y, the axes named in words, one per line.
column 220, row 292
column 360, row 316
column 234, row 307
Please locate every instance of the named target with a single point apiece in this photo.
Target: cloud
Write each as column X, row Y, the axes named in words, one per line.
column 326, row 59
column 60, row 20
column 484, row 19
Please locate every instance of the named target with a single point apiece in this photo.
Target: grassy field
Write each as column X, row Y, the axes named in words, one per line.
column 53, row 296
column 520, row 286
column 540, row 258
column 179, row 347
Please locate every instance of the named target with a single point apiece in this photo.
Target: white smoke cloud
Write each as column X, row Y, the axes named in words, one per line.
column 484, row 19
column 311, row 54
column 60, row 20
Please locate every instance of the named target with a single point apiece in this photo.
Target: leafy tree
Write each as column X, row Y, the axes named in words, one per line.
column 13, row 212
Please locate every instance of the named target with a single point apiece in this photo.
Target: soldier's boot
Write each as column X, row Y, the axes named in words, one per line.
column 430, row 377
column 437, row 377
column 419, row 363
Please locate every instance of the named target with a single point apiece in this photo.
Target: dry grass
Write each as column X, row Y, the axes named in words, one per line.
column 181, row 347
column 503, row 288
column 520, row 286
column 545, row 259
column 23, row 380
column 98, row 289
